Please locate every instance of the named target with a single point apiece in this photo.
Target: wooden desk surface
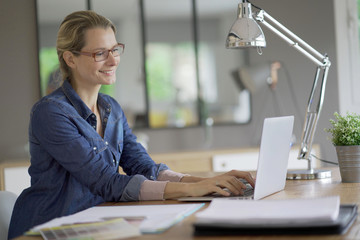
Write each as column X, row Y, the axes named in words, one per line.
column 349, row 193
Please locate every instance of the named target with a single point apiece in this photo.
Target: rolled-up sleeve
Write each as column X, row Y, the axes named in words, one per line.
column 133, row 189
column 140, row 188
column 152, row 190
column 171, row 176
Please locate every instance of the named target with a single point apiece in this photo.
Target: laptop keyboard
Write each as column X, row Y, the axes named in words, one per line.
column 248, row 192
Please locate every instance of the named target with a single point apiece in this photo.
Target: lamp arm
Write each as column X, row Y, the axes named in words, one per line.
column 297, row 43
column 312, row 114
column 323, row 64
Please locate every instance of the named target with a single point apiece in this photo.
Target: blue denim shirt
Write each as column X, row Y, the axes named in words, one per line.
column 72, row 166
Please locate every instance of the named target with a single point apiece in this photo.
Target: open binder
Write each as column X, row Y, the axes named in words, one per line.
column 346, row 217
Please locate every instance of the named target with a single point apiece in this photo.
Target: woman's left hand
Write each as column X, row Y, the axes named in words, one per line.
column 239, row 174
column 230, row 180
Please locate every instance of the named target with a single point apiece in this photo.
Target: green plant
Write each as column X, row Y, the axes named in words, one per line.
column 345, row 130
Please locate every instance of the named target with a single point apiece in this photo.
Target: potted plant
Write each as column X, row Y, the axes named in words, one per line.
column 345, row 133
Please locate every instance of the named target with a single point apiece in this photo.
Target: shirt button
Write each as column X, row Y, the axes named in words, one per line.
column 93, row 116
column 106, row 143
column 152, row 177
column 94, row 148
column 108, row 110
column 94, row 126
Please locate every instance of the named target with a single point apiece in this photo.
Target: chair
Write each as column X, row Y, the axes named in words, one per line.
column 7, row 201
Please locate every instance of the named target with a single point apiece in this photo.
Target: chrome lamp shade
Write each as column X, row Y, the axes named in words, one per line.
column 245, row 32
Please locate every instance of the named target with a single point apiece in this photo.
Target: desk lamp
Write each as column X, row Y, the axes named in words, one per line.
column 246, row 32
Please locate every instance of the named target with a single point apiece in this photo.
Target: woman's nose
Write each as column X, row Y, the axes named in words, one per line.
column 113, row 60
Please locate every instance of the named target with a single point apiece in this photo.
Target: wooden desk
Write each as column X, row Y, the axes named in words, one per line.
column 348, row 192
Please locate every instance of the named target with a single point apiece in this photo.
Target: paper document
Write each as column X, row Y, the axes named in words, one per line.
column 107, row 230
column 157, row 218
column 271, row 211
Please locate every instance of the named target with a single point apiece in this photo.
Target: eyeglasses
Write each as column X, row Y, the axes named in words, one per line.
column 104, row 54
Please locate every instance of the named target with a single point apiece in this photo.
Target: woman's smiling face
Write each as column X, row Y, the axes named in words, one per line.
column 91, row 73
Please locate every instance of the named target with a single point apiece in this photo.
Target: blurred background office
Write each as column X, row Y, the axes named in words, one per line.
column 181, row 89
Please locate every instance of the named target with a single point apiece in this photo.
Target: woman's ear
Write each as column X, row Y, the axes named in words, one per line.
column 69, row 59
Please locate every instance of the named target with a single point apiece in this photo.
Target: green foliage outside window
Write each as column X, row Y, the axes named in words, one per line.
column 159, row 69
column 108, row 89
column 162, row 62
column 48, row 64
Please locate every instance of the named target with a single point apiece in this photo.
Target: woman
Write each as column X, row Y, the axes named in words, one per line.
column 79, row 138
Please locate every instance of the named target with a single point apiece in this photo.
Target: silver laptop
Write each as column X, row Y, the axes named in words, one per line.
column 272, row 162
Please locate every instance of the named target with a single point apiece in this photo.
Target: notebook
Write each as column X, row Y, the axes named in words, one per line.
column 347, row 216
column 272, row 162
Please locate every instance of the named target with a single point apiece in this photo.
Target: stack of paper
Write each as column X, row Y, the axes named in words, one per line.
column 156, row 218
column 271, row 211
column 107, row 230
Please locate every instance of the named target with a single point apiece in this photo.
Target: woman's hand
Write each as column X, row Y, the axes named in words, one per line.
column 203, row 186
column 240, row 174
column 230, row 180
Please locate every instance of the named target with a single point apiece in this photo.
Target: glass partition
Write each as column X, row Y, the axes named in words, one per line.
column 226, row 101
column 170, row 63
column 129, row 89
column 49, row 15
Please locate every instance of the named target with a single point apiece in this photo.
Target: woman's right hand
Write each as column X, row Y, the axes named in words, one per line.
column 229, row 180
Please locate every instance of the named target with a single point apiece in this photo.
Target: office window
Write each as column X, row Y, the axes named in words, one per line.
column 171, row 80
column 49, row 64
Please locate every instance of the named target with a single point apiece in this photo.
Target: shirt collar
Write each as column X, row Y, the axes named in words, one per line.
column 75, row 100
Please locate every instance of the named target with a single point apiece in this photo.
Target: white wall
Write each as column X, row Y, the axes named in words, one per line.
column 348, row 53
column 19, row 85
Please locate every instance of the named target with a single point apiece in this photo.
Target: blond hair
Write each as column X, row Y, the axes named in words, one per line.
column 71, row 34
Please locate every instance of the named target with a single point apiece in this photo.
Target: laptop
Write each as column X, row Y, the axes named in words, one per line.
column 272, row 162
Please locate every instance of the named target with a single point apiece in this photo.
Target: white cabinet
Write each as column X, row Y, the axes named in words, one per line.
column 247, row 160
column 14, row 176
